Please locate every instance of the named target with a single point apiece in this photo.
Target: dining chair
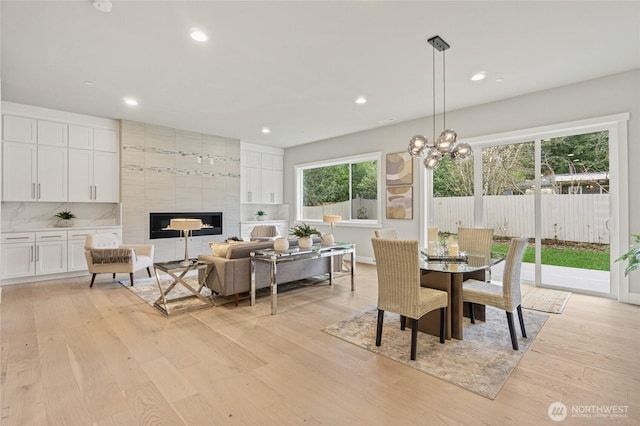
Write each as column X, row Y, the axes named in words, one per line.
column 476, row 244
column 506, row 296
column 399, row 290
column 388, row 233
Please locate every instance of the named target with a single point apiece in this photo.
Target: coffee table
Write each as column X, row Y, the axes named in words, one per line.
column 173, row 268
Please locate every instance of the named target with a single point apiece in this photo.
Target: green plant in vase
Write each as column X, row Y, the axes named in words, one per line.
column 65, row 218
column 261, row 214
column 304, row 233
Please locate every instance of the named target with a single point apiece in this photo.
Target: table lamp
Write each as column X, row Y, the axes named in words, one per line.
column 331, row 219
column 186, row 226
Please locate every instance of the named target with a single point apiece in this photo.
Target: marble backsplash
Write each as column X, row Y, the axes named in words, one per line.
column 274, row 211
column 25, row 216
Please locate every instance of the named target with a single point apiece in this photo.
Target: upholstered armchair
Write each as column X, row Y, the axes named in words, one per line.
column 105, row 255
column 264, row 233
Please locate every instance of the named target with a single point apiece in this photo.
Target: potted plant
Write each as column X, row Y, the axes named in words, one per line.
column 65, row 218
column 633, row 256
column 304, row 233
column 260, row 215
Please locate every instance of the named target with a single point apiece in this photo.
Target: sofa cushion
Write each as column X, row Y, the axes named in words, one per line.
column 220, row 249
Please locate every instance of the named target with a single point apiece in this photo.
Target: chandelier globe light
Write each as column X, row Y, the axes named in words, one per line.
column 445, row 144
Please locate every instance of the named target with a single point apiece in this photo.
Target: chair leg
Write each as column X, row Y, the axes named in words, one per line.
column 149, row 272
column 512, row 331
column 93, row 278
column 521, row 318
column 414, row 338
column 443, row 324
column 131, row 278
column 472, row 315
column 403, row 322
column 236, row 298
column 379, row 327
column 114, row 276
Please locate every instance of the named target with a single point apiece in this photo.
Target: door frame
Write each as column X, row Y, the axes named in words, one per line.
column 616, row 125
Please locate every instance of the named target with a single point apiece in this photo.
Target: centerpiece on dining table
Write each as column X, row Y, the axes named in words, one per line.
column 442, row 246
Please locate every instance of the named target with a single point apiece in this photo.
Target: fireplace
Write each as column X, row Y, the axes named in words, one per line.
column 159, row 224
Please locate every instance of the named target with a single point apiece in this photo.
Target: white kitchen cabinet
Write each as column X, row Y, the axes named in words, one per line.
column 33, row 172
column 76, row 260
column 19, row 129
column 52, row 133
column 261, row 178
column 93, row 176
column 18, row 254
column 80, row 136
column 250, row 185
column 272, row 186
column 105, row 140
column 51, row 252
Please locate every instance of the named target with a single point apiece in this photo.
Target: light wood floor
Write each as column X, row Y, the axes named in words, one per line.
column 72, row 355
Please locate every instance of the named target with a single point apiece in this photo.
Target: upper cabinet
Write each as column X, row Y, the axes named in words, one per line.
column 57, row 161
column 261, row 177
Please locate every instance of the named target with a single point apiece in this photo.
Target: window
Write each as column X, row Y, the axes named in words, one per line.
column 349, row 187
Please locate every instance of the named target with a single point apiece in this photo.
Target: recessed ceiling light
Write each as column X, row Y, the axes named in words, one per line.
column 266, row 130
column 387, row 120
column 499, row 80
column 199, row 35
column 87, row 83
column 130, row 101
column 361, row 100
column 478, row 76
column 102, row 5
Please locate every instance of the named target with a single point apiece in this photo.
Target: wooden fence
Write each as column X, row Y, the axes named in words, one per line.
column 579, row 218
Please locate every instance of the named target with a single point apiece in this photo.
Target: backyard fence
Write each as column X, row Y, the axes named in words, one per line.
column 579, row 218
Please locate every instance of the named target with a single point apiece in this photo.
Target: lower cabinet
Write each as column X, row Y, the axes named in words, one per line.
column 27, row 254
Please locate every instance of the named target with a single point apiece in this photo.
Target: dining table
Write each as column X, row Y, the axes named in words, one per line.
column 448, row 274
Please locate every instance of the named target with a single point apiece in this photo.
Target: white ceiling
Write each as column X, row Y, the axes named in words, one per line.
column 297, row 67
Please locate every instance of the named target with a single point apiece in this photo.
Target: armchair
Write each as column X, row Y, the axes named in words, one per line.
column 264, row 233
column 105, row 255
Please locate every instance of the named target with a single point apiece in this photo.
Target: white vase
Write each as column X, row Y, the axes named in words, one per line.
column 281, row 244
column 64, row 223
column 328, row 239
column 305, row 242
column 260, row 218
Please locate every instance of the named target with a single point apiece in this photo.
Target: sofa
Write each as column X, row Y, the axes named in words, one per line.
column 229, row 270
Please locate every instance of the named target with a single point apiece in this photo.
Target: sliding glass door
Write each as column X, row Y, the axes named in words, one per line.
column 553, row 185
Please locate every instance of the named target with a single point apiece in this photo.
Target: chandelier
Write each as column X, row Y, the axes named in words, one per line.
column 445, row 144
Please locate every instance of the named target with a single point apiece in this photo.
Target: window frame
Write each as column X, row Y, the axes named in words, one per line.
column 349, row 160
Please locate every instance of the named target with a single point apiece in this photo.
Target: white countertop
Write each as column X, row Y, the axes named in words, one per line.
column 62, row 228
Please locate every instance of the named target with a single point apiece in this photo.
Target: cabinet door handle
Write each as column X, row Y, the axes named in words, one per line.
column 38, row 191
column 17, row 238
column 33, row 190
column 95, row 192
column 90, row 192
column 37, row 253
column 51, row 236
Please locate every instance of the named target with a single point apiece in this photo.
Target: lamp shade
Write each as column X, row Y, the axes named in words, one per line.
column 331, row 218
column 186, row 224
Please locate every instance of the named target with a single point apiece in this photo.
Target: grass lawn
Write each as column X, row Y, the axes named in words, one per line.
column 563, row 256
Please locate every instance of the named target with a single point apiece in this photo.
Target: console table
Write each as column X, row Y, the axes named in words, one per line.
column 274, row 258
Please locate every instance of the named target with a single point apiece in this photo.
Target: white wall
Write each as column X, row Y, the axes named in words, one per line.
column 162, row 172
column 614, row 94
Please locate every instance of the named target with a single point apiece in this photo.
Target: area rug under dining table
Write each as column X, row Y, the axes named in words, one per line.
column 481, row 363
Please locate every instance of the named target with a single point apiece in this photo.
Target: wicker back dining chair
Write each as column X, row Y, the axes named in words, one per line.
column 399, row 288
column 506, row 296
column 388, row 233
